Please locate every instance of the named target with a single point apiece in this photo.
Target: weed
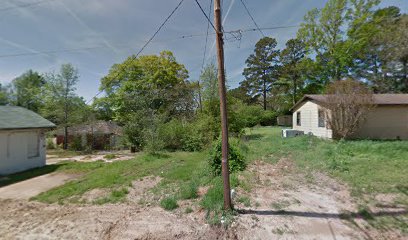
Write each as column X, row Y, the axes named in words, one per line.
column 245, row 200
column 188, row 210
column 189, row 190
column 169, row 203
column 110, row 156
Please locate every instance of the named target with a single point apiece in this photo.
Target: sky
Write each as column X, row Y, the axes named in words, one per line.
column 95, row 34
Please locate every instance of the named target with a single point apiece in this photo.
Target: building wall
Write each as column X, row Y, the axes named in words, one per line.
column 309, row 120
column 21, row 150
column 385, row 122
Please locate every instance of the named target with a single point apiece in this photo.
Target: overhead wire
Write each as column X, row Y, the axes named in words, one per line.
column 25, row 5
column 253, row 20
column 206, row 36
column 206, row 16
column 147, row 43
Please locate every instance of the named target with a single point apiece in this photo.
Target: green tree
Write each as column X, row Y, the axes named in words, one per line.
column 4, row 95
column 62, row 105
column 28, row 89
column 292, row 71
column 147, row 91
column 262, row 68
column 382, row 50
column 209, row 92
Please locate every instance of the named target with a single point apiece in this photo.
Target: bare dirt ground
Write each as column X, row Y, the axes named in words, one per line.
column 99, row 156
column 284, row 204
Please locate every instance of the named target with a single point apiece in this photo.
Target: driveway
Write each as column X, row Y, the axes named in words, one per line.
column 29, row 188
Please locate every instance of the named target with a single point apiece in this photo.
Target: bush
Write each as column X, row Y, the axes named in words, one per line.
column 236, row 159
column 76, row 144
column 50, row 143
column 169, row 203
column 268, row 118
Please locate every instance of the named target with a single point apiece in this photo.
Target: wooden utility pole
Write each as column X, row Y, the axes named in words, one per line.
column 223, row 104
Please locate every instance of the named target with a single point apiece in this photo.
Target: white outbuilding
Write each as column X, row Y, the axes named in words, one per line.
column 22, row 139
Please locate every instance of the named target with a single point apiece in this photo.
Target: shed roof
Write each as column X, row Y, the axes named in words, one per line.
column 379, row 99
column 12, row 117
column 97, row 127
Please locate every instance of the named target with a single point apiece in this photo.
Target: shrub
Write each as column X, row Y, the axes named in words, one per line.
column 236, row 159
column 76, row 144
column 268, row 118
column 169, row 203
column 50, row 143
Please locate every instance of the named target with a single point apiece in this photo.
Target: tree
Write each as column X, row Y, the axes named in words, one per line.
column 324, row 33
column 146, row 91
column 262, row 68
column 209, row 85
column 347, row 104
column 28, row 90
column 292, row 70
column 4, row 95
column 62, row 105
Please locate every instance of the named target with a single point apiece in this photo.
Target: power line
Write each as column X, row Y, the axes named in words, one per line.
column 25, row 5
column 206, row 37
column 205, row 14
column 253, row 20
column 237, row 32
column 147, row 43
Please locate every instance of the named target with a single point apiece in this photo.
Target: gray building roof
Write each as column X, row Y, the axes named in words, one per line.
column 378, row 99
column 20, row 118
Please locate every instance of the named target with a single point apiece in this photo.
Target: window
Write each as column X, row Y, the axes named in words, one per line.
column 321, row 118
column 33, row 142
column 298, row 119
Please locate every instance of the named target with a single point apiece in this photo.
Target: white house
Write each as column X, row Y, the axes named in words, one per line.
column 22, row 140
column 388, row 120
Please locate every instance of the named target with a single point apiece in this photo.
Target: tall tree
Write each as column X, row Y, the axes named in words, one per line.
column 262, row 68
column 292, row 68
column 4, row 95
column 146, row 91
column 28, row 89
column 62, row 105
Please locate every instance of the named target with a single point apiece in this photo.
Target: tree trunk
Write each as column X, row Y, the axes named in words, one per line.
column 264, row 95
column 65, row 146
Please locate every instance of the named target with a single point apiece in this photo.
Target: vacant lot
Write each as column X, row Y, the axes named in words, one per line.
column 293, row 188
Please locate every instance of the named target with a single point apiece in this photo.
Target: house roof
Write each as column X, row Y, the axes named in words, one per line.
column 12, row 117
column 379, row 99
column 97, row 127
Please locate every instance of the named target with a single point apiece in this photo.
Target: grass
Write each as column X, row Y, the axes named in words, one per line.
column 368, row 167
column 110, row 156
column 169, row 203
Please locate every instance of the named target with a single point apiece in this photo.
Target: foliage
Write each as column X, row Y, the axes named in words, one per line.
column 145, row 93
column 28, row 90
column 76, row 144
column 4, row 95
column 169, row 203
column 236, row 159
column 347, row 104
column 292, row 72
column 261, row 71
column 189, row 190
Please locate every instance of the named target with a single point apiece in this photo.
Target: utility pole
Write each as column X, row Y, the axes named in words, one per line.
column 223, row 104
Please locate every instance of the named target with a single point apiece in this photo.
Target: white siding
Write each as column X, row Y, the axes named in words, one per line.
column 17, row 150
column 309, row 120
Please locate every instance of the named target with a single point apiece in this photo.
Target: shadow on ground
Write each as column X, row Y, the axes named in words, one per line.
column 32, row 173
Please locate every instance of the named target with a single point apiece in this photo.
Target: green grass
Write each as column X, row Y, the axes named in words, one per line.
column 110, row 156
column 169, row 203
column 367, row 166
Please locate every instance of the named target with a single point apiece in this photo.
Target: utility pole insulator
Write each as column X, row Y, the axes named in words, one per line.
column 223, row 104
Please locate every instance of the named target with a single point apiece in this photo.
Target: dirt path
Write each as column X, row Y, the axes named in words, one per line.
column 284, row 204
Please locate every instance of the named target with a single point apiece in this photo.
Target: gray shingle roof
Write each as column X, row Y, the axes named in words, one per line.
column 20, row 118
column 379, row 99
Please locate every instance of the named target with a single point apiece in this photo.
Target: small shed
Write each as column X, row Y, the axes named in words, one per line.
column 99, row 135
column 284, row 120
column 22, row 140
